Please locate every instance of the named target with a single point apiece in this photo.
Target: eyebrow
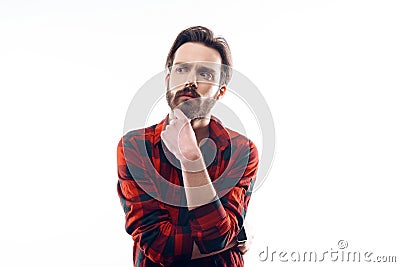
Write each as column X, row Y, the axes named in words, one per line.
column 200, row 64
column 203, row 68
column 187, row 62
column 180, row 63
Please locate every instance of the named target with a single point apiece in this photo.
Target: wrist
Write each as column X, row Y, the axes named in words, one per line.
column 190, row 154
column 193, row 162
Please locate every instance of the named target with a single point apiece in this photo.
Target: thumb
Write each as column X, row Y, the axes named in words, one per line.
column 179, row 114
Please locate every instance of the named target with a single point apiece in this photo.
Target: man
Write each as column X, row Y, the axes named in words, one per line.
column 185, row 183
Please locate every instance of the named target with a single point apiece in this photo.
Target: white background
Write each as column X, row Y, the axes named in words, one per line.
column 329, row 71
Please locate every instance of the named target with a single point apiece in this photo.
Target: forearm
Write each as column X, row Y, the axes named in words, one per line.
column 151, row 227
column 198, row 186
column 165, row 243
column 196, row 254
column 210, row 220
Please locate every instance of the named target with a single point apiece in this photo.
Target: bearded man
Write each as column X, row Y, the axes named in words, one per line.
column 185, row 183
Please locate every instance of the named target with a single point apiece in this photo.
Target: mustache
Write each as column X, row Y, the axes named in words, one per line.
column 190, row 90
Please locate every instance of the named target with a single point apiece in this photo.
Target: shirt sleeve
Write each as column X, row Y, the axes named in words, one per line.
column 218, row 223
column 148, row 221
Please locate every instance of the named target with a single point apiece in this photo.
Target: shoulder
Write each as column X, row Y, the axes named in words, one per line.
column 137, row 135
column 239, row 140
column 239, row 144
column 143, row 133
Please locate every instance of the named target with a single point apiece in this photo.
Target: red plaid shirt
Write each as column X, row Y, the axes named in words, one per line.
column 152, row 195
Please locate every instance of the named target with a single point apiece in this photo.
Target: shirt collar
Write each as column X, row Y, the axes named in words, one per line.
column 218, row 132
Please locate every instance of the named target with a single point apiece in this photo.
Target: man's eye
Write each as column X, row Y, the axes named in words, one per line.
column 206, row 75
column 181, row 69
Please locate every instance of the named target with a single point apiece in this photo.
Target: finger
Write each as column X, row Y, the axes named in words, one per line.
column 179, row 114
column 242, row 249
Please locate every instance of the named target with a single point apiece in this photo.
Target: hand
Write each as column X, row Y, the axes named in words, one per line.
column 244, row 247
column 197, row 254
column 180, row 138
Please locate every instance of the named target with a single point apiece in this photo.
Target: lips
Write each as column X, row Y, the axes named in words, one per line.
column 187, row 96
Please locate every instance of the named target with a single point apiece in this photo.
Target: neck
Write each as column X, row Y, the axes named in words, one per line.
column 200, row 128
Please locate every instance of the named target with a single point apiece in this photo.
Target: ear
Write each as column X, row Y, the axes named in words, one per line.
column 221, row 91
column 166, row 80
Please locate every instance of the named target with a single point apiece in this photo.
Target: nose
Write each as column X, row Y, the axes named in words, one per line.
column 189, row 83
column 191, row 79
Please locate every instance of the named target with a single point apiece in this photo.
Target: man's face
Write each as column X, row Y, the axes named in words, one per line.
column 193, row 80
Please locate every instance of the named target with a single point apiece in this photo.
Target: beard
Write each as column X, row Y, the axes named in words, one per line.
column 195, row 108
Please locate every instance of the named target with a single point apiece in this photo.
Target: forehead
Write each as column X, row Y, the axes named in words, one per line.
column 189, row 52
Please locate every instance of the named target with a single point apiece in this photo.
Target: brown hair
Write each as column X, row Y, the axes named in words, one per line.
column 200, row 34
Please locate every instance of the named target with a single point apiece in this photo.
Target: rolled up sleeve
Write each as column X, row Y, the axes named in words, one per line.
column 218, row 223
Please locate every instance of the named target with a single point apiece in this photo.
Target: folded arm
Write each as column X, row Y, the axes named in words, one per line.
column 149, row 223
